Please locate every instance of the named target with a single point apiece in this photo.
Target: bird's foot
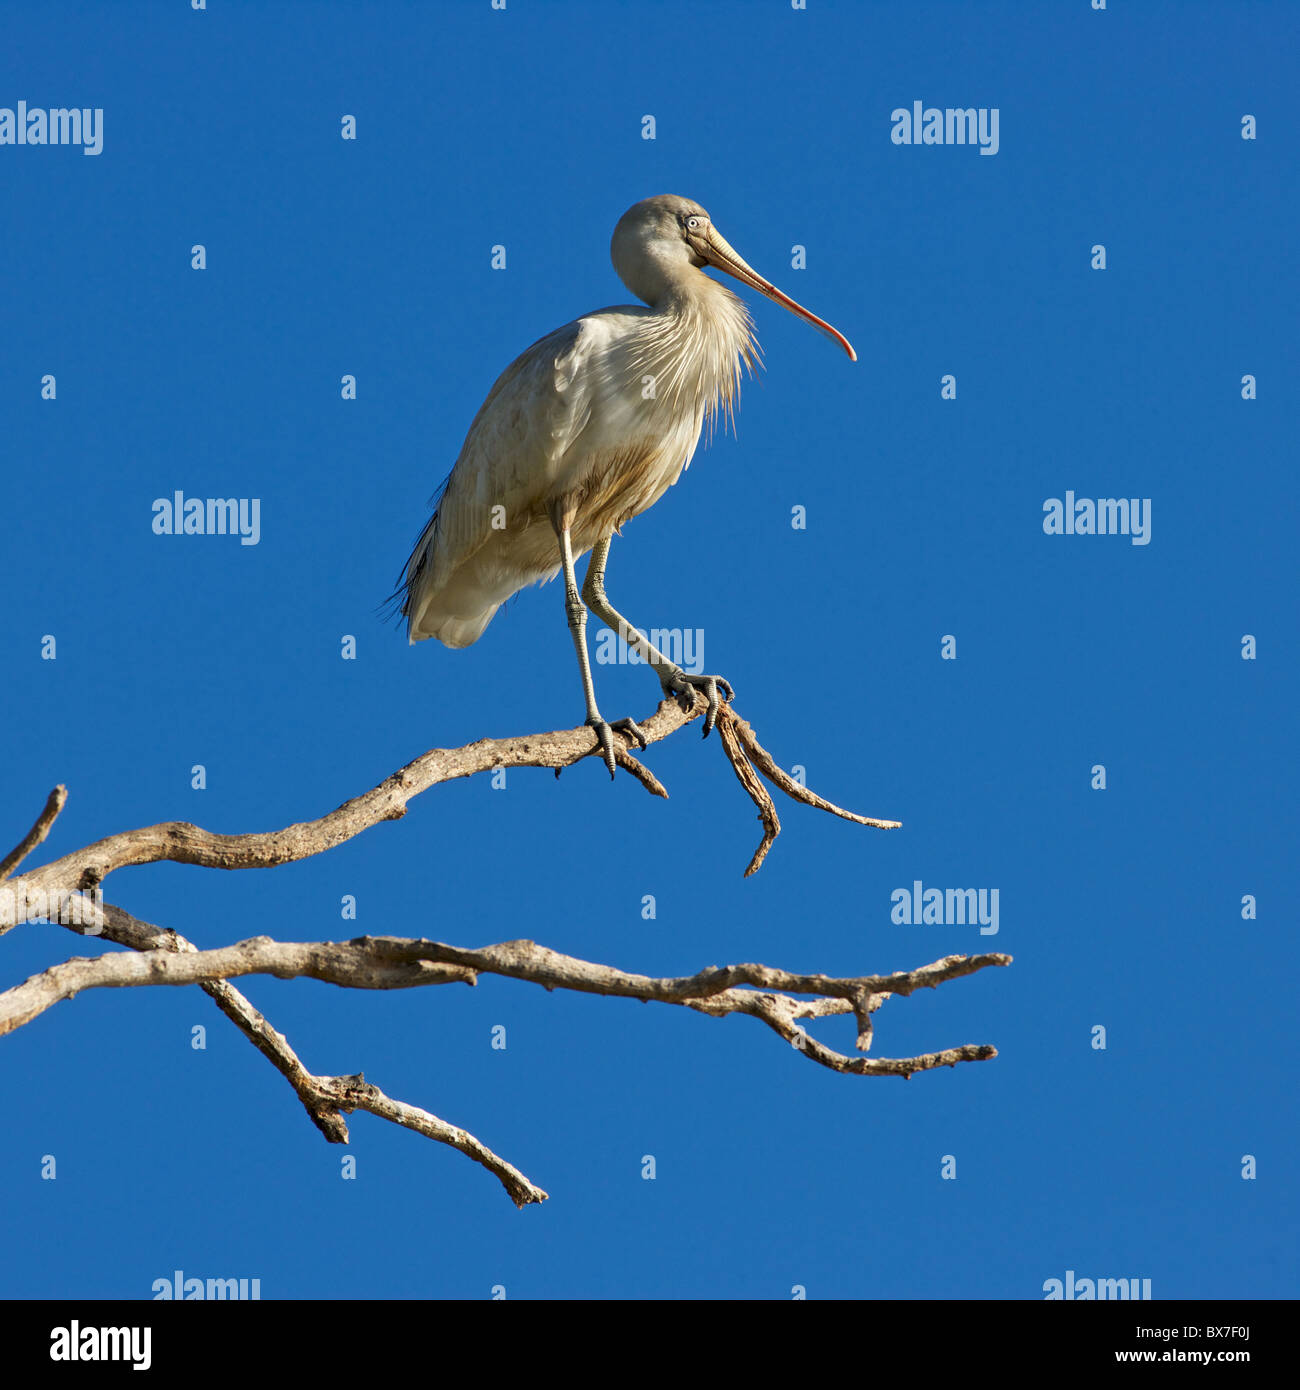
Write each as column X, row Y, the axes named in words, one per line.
column 682, row 687
column 605, row 737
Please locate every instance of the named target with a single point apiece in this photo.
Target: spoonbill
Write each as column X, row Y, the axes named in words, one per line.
column 585, row 430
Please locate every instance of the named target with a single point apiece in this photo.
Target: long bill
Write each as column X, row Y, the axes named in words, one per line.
column 719, row 252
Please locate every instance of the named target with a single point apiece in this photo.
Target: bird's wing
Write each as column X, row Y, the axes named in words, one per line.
column 512, row 453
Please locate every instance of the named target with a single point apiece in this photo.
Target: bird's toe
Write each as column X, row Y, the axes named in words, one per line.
column 604, row 743
column 715, row 689
column 633, row 730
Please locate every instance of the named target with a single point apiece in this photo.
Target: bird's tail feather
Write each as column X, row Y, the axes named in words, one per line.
column 450, row 630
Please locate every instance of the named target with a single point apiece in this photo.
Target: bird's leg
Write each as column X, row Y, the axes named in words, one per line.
column 576, row 613
column 676, row 683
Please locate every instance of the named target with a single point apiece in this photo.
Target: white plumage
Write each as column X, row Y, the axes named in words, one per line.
column 609, row 408
column 587, row 428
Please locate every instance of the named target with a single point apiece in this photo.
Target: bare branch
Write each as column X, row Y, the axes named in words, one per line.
column 120, row 927
column 638, row 770
column 760, row 991
column 379, row 962
column 183, row 843
column 325, row 1098
column 164, row 957
column 749, row 779
column 766, row 764
column 54, row 803
column 361, row 1095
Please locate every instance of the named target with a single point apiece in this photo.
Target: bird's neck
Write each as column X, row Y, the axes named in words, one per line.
column 700, row 336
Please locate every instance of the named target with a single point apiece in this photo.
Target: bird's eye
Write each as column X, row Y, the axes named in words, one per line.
column 693, row 224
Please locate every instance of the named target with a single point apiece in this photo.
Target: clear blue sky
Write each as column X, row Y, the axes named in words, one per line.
column 325, row 257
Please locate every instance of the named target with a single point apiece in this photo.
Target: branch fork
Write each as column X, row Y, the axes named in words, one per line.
column 161, row 956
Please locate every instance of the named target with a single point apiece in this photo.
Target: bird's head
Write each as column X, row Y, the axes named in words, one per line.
column 659, row 240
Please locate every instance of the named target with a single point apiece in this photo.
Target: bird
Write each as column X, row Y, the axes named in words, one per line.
column 586, row 429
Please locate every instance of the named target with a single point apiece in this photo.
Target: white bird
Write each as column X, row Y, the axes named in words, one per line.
column 585, row 430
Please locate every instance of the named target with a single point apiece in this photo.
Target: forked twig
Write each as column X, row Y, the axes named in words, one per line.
column 744, row 752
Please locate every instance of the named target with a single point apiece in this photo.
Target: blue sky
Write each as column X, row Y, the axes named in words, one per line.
column 325, row 257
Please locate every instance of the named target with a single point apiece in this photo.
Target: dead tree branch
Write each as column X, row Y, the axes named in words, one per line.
column 54, row 803
column 164, row 957
column 391, row 962
column 384, row 962
column 325, row 1098
column 183, row 843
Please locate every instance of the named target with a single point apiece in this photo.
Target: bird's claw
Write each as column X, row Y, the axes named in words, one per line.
column 605, row 738
column 682, row 686
column 633, row 731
